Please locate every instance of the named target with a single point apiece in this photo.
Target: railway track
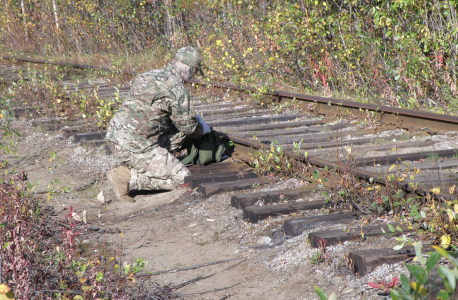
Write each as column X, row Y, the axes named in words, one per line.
column 337, row 138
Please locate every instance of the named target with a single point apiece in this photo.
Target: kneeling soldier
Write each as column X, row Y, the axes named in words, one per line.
column 152, row 124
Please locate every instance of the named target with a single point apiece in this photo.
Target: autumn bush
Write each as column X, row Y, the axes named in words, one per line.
column 43, row 257
column 401, row 51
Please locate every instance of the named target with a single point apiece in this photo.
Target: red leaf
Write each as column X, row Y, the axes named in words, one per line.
column 376, row 285
column 393, row 283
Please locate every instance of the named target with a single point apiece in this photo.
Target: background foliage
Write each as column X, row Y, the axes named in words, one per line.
column 402, row 51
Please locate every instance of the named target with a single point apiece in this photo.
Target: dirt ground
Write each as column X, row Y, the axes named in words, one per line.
column 180, row 229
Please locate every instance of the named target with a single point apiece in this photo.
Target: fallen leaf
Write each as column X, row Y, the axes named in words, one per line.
column 385, row 286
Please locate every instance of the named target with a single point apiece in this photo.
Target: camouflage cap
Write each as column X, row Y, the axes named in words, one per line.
column 189, row 56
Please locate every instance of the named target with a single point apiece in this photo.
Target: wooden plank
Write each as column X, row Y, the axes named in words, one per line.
column 252, row 121
column 195, row 180
column 255, row 214
column 215, row 107
column 431, row 178
column 336, row 236
column 282, row 132
column 385, row 147
column 247, row 200
column 220, row 167
column 94, row 143
column 210, row 119
column 296, row 226
column 218, row 112
column 285, row 125
column 441, row 164
column 78, row 137
column 393, row 158
column 365, row 261
column 208, row 189
column 314, row 137
column 335, row 143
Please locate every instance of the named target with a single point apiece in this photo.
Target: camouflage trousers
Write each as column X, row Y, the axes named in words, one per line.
column 156, row 169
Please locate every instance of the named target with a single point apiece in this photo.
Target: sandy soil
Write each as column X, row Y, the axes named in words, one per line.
column 181, row 229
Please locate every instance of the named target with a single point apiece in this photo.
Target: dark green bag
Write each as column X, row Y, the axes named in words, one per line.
column 206, row 150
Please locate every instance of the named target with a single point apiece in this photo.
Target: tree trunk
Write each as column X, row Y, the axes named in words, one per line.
column 169, row 23
column 56, row 19
column 23, row 20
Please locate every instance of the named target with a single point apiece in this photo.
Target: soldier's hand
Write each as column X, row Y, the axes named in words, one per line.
column 206, row 128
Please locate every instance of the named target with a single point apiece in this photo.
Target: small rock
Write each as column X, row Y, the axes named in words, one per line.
column 265, row 240
column 85, row 242
column 336, row 280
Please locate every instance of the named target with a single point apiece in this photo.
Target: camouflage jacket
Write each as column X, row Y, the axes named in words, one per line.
column 158, row 100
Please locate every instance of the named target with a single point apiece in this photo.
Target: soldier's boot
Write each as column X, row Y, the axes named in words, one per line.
column 119, row 179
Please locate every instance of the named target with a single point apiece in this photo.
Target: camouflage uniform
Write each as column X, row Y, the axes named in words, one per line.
column 151, row 125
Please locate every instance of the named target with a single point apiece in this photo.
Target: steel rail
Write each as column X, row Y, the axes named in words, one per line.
column 436, row 118
column 337, row 102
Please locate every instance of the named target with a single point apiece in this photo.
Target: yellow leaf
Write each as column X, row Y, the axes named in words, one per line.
column 455, row 207
column 6, row 292
column 416, row 170
column 83, row 280
column 451, row 189
column 450, row 215
column 391, row 168
column 87, row 288
column 402, row 178
column 422, row 289
column 394, row 149
column 445, row 241
column 436, row 190
column 1, row 115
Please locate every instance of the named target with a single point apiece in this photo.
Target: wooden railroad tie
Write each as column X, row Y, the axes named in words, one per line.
column 194, row 181
column 296, row 226
column 208, row 189
column 246, row 200
column 365, row 261
column 255, row 213
column 336, row 236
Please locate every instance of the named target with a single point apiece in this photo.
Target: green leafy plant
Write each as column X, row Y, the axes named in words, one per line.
column 321, row 254
column 423, row 286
